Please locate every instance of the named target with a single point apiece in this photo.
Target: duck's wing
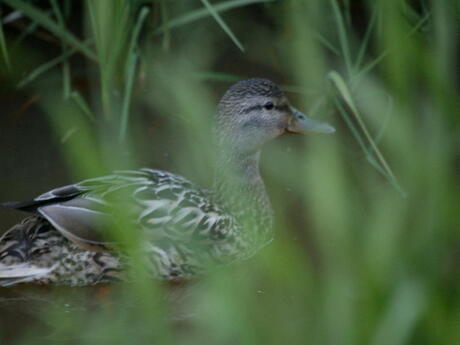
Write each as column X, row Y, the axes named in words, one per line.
column 166, row 205
column 83, row 211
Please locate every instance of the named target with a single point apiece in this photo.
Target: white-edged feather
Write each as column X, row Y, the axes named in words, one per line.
column 19, row 273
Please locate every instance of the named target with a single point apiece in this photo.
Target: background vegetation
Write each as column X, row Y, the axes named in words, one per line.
column 367, row 235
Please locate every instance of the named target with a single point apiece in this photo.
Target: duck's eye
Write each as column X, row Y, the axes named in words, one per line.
column 269, row 105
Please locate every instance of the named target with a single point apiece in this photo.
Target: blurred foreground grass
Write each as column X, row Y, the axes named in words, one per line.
column 367, row 237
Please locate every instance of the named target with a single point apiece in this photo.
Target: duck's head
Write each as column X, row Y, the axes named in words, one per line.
column 255, row 111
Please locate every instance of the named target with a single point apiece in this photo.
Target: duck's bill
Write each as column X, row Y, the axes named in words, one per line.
column 301, row 123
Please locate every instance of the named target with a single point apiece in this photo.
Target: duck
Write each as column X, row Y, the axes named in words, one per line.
column 185, row 229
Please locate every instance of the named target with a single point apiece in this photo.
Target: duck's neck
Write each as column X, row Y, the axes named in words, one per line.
column 241, row 190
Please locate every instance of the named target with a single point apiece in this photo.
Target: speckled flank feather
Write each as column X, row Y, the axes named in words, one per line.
column 34, row 251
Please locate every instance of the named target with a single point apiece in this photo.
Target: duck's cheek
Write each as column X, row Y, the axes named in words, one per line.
column 282, row 125
column 281, row 131
column 276, row 132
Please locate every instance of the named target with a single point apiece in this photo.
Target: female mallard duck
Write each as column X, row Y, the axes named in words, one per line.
column 186, row 227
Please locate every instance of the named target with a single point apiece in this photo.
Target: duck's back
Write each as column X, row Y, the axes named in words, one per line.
column 69, row 239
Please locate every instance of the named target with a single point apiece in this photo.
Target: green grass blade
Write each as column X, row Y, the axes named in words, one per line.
column 65, row 65
column 44, row 20
column 130, row 72
column 343, row 38
column 137, row 29
column 327, row 43
column 166, row 43
column 406, row 305
column 46, row 67
column 66, row 79
column 201, row 13
column 357, row 135
column 411, row 14
column 347, row 10
column 344, row 91
column 110, row 23
column 67, row 135
column 58, row 14
column 341, row 86
column 82, row 104
column 3, row 46
column 386, row 120
column 366, row 69
column 351, row 125
column 129, row 82
column 366, row 39
column 222, row 24
column 26, row 32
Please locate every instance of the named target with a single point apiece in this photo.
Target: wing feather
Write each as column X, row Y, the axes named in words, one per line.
column 164, row 204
